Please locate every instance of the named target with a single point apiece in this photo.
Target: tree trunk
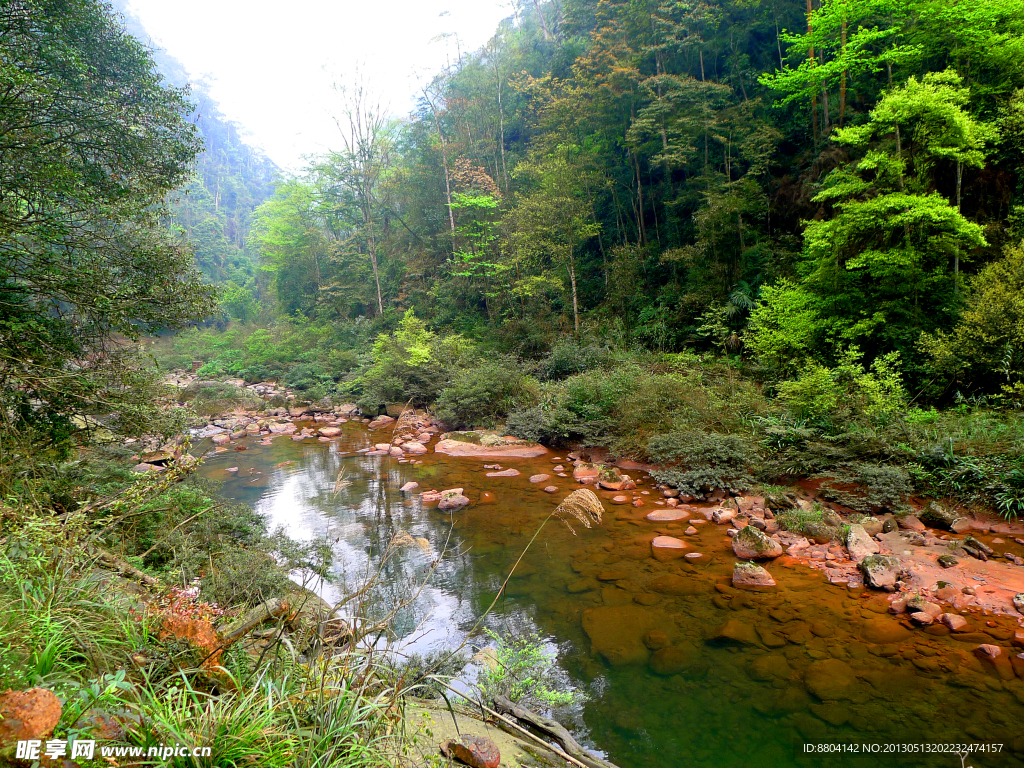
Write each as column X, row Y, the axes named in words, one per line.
column 543, row 21
column 575, row 302
column 842, row 81
column 956, row 256
column 444, row 163
column 814, row 97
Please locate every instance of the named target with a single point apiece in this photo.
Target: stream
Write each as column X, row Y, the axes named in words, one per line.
column 805, row 662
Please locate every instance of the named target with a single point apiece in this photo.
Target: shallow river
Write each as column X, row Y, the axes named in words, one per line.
column 821, row 663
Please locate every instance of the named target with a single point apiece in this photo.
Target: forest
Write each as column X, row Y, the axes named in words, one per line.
column 759, row 254
column 819, row 202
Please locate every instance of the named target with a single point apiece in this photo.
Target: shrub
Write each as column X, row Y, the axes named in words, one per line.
column 484, row 394
column 569, row 357
column 881, row 486
column 702, row 461
column 523, row 673
column 412, row 363
column 835, row 397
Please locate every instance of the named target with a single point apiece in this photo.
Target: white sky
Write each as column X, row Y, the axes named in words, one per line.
column 271, row 64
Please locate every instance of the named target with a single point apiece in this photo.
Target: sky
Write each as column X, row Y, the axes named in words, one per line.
column 271, row 65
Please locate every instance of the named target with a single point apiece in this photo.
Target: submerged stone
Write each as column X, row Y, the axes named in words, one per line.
column 751, row 575
column 617, row 632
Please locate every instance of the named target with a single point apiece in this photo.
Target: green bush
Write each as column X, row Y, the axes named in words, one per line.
column 836, row 397
column 410, row 364
column 698, row 462
column 484, row 394
column 569, row 357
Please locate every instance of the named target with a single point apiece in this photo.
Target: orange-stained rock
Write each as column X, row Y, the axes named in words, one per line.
column 667, row 548
column 199, row 633
column 31, row 714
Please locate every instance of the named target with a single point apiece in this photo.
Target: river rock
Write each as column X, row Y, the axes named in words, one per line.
column 617, row 631
column 505, row 473
column 736, row 632
column 938, row 516
column 752, row 544
column 1018, row 602
column 396, row 452
column 988, row 652
column 667, row 548
column 550, row 489
column 667, row 515
column 586, row 473
column 380, row 422
column 329, row 431
column 881, row 571
column 910, row 523
column 539, row 478
column 751, row 575
column 954, row 621
column 656, row 639
column 722, row 515
column 859, row 544
column 474, row 751
column 414, row 447
column 488, row 445
column 676, row 585
column 25, row 715
column 409, row 487
column 830, row 679
column 221, row 439
column 452, row 499
column 884, row 631
column 382, row 447
column 671, row 660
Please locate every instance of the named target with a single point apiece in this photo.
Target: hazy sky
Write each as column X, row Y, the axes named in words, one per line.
column 271, row 65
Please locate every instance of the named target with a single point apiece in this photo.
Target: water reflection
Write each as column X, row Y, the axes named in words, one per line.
column 754, row 700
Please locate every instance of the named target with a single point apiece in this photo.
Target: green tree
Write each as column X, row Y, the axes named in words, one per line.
column 551, row 219
column 91, row 141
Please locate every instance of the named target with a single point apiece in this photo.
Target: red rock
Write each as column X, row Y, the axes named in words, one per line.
column 954, row 621
column 382, row 447
column 412, row 485
column 539, row 478
column 452, row 499
column 620, row 499
column 691, row 531
column 550, row 489
column 414, row 448
column 667, row 547
column 221, row 439
column 24, row 715
column 329, row 432
column 988, row 652
column 505, row 473
column 751, row 575
column 667, row 515
column 586, row 473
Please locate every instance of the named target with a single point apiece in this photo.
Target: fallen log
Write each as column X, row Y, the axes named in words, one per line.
column 125, row 568
column 553, row 730
column 270, row 609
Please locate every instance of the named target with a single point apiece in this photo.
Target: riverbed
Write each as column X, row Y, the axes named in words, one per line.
column 802, row 663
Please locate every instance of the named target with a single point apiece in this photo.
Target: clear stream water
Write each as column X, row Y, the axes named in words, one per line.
column 826, row 664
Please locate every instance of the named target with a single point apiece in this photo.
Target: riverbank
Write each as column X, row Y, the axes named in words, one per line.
column 641, row 628
column 932, row 551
